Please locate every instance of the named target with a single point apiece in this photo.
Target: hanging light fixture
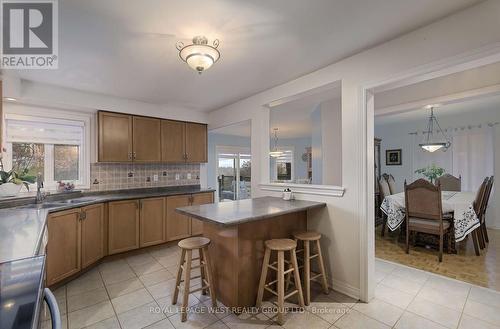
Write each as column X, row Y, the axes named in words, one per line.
column 431, row 143
column 199, row 56
column 275, row 153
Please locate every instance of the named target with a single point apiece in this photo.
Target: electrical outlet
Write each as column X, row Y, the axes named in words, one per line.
column 155, row 178
column 164, row 174
column 189, row 176
column 177, row 176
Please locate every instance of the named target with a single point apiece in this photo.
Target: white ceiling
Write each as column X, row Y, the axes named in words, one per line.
column 127, row 49
column 241, row 129
column 477, row 105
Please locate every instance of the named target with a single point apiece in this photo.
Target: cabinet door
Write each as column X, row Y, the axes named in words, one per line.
column 115, row 137
column 152, row 221
column 123, row 226
column 172, row 141
column 198, row 199
column 63, row 247
column 147, row 145
column 196, row 142
column 92, row 234
column 178, row 226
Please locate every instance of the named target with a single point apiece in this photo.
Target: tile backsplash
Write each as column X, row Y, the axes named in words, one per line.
column 116, row 176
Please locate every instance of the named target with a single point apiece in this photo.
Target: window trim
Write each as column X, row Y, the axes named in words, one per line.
column 49, row 115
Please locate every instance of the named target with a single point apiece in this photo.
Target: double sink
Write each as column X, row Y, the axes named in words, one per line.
column 53, row 204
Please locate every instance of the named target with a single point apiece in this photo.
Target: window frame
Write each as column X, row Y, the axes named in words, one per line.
column 48, row 115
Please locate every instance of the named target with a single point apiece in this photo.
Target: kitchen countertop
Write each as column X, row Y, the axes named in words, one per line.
column 22, row 228
column 242, row 211
column 21, row 282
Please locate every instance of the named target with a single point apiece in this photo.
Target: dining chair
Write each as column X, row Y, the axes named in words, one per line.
column 450, row 183
column 477, row 236
column 487, row 199
column 384, row 191
column 392, row 183
column 424, row 212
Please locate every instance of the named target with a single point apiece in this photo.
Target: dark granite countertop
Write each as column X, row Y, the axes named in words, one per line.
column 21, row 228
column 242, row 211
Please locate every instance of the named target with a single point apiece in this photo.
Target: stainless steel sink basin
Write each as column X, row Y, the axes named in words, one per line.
column 43, row 205
column 78, row 200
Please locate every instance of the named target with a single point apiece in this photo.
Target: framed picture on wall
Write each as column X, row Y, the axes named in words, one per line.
column 393, row 157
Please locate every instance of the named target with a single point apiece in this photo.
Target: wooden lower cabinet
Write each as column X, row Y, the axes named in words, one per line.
column 63, row 247
column 92, row 234
column 178, row 226
column 123, row 226
column 152, row 221
column 199, row 199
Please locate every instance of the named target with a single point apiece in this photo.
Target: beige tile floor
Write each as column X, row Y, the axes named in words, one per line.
column 134, row 291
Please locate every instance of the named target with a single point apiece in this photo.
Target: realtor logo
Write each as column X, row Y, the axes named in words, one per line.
column 29, row 34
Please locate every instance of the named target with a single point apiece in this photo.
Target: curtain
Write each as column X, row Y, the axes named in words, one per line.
column 471, row 155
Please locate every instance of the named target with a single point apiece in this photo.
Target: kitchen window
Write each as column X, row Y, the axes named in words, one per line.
column 55, row 147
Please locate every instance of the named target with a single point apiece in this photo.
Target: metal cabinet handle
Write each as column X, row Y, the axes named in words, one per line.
column 51, row 301
column 130, row 155
column 134, row 155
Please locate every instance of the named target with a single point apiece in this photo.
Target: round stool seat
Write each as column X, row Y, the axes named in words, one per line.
column 281, row 244
column 196, row 242
column 307, row 236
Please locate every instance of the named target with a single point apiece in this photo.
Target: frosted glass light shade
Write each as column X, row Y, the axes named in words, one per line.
column 199, row 57
column 432, row 147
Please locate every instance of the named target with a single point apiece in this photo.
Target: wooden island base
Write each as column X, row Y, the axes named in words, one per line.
column 237, row 253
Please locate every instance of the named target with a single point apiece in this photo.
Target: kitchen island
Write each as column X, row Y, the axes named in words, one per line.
column 238, row 230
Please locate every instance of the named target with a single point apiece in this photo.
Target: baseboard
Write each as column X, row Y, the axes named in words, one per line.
column 345, row 288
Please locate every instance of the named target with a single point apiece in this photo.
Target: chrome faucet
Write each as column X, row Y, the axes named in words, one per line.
column 40, row 196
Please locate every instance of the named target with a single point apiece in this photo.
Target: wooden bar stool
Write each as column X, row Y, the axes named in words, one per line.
column 280, row 245
column 187, row 246
column 307, row 237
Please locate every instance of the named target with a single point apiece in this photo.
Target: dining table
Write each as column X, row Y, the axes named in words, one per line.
column 460, row 204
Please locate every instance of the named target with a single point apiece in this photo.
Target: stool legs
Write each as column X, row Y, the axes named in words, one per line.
column 187, row 279
column 322, row 268
column 307, row 272
column 178, row 278
column 209, row 275
column 281, row 286
column 202, row 273
column 296, row 276
column 263, row 276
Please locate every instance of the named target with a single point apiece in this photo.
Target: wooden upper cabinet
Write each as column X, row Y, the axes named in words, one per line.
column 152, row 221
column 196, row 142
column 172, row 141
column 199, row 199
column 178, row 226
column 115, row 137
column 123, row 223
column 63, row 247
column 147, row 144
column 92, row 234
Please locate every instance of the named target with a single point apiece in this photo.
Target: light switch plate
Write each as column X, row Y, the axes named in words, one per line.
column 177, row 176
column 189, row 176
column 155, row 178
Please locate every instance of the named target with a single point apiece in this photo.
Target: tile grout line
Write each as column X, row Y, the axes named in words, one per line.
column 109, row 298
column 463, row 308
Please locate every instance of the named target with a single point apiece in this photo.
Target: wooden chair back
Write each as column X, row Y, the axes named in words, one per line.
column 423, row 200
column 487, row 194
column 450, row 183
column 383, row 188
column 478, row 201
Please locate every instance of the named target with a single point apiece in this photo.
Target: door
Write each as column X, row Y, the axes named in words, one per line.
column 172, row 141
column 123, row 226
column 63, row 247
column 115, row 137
column 196, row 142
column 178, row 226
column 147, row 144
column 152, row 221
column 92, row 234
column 234, row 167
column 199, row 199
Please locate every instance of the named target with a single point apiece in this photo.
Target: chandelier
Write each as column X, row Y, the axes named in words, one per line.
column 275, row 151
column 433, row 143
column 199, row 55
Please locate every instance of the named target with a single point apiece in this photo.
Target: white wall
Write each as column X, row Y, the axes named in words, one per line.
column 395, row 135
column 331, row 126
column 463, row 32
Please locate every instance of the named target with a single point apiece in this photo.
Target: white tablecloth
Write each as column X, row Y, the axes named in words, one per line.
column 460, row 203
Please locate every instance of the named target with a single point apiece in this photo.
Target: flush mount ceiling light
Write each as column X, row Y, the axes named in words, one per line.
column 433, row 143
column 275, row 153
column 199, row 56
